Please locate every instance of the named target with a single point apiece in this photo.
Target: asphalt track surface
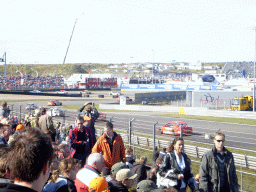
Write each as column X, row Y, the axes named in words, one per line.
column 237, row 135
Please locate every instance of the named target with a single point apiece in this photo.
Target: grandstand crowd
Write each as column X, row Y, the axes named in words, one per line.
column 37, row 155
column 32, row 82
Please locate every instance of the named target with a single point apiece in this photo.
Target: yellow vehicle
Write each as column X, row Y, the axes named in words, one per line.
column 242, row 104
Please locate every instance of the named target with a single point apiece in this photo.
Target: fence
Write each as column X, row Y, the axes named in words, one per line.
column 146, row 144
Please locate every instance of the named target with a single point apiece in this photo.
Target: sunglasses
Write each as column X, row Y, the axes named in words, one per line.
column 220, row 141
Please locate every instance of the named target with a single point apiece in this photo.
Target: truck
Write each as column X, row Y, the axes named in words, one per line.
column 242, row 104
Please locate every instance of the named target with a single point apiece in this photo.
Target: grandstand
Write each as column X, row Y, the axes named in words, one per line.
column 235, row 69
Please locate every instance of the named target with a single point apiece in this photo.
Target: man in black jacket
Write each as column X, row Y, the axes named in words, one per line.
column 217, row 170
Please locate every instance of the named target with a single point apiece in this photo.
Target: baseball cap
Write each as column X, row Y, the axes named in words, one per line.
column 86, row 118
column 20, row 127
column 117, row 166
column 125, row 174
column 99, row 184
column 147, row 185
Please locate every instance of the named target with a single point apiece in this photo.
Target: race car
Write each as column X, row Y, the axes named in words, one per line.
column 173, row 128
column 115, row 93
column 55, row 112
column 31, row 106
column 62, row 92
column 85, row 92
column 127, row 99
column 54, row 103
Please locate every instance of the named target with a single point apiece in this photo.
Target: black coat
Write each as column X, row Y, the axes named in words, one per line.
column 170, row 162
column 140, row 170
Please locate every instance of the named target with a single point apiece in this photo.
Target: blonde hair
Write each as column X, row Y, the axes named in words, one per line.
column 64, row 167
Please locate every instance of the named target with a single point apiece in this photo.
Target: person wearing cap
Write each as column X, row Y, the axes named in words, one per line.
column 112, row 147
column 80, row 141
column 147, row 186
column 98, row 184
column 19, row 129
column 46, row 124
column 115, row 185
column 126, row 178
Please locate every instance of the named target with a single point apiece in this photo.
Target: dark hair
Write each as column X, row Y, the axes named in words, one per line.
column 155, row 149
column 171, row 146
column 164, row 149
column 29, row 153
column 109, row 125
column 80, row 118
column 3, row 161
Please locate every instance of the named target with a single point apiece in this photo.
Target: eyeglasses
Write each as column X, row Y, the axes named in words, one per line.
column 220, row 141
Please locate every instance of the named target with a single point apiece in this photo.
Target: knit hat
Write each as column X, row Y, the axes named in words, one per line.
column 99, row 184
column 118, row 166
column 20, row 127
column 147, row 185
column 125, row 174
column 86, row 118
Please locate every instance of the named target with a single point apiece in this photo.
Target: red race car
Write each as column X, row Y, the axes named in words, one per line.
column 54, row 103
column 85, row 92
column 173, row 128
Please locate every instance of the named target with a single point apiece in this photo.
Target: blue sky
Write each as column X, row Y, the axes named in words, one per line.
column 121, row 31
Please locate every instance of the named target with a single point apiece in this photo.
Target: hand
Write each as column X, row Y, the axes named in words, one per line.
column 87, row 103
column 180, row 176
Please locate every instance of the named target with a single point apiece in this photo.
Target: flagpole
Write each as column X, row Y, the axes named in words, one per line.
column 4, row 64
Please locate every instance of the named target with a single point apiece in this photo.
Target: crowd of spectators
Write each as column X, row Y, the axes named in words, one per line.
column 37, row 159
column 31, row 82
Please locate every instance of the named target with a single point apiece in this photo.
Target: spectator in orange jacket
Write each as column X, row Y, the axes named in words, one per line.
column 112, row 147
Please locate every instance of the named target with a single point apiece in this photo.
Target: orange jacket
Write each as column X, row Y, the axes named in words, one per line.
column 118, row 153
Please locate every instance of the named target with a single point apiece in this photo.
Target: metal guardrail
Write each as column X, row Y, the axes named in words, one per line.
column 193, row 151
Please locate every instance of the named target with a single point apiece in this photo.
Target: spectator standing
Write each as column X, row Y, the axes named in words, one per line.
column 90, row 112
column 46, row 124
column 140, row 169
column 90, row 129
column 126, row 178
column 162, row 153
column 217, row 170
column 80, row 141
column 5, row 132
column 177, row 162
column 3, row 110
column 155, row 155
column 152, row 174
column 112, row 147
column 33, row 150
column 91, row 170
